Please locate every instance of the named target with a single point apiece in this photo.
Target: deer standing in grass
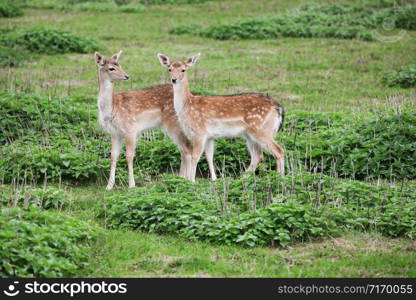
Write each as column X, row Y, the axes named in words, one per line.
column 256, row 117
column 126, row 114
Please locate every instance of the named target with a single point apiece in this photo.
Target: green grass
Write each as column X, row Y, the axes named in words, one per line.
column 317, row 74
column 307, row 74
column 135, row 254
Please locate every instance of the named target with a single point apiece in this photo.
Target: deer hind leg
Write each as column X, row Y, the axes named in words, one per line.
column 209, row 153
column 267, row 142
column 115, row 153
column 130, row 152
column 256, row 154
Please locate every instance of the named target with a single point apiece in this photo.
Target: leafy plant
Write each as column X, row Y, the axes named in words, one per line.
column 406, row 18
column 262, row 210
column 404, row 77
column 309, row 21
column 10, row 9
column 12, row 56
column 49, row 41
column 46, row 197
column 37, row 243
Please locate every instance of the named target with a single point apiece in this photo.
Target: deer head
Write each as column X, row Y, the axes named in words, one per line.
column 177, row 69
column 110, row 68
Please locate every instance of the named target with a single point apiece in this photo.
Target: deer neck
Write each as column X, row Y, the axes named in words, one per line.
column 105, row 97
column 181, row 95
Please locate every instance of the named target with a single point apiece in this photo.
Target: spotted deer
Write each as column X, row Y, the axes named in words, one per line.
column 256, row 117
column 124, row 115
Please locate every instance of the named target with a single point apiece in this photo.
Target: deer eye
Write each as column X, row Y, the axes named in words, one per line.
column 183, row 70
column 111, row 69
column 170, row 70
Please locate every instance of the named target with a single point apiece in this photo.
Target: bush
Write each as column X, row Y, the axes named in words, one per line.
column 12, row 56
column 131, row 8
column 405, row 77
column 295, row 208
column 367, row 149
column 49, row 41
column 49, row 139
column 309, row 21
column 406, row 19
column 9, row 9
column 28, row 115
column 47, row 197
column 37, row 243
column 161, row 2
column 93, row 6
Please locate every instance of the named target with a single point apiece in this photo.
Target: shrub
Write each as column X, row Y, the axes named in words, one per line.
column 50, row 41
column 49, row 139
column 93, row 6
column 28, row 115
column 406, row 18
column 380, row 147
column 9, row 9
column 161, row 2
column 37, row 243
column 46, row 197
column 12, row 56
column 131, row 8
column 172, row 214
column 296, row 207
column 311, row 20
column 404, row 77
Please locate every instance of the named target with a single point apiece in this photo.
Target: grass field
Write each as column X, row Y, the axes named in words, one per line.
column 302, row 74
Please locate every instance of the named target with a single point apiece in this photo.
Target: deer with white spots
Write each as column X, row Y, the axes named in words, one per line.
column 124, row 115
column 256, row 117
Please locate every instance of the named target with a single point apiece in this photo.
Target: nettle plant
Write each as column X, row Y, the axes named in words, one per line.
column 280, row 210
column 311, row 21
column 38, row 243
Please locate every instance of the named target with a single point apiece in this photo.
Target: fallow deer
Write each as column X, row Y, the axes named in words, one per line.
column 126, row 114
column 256, row 117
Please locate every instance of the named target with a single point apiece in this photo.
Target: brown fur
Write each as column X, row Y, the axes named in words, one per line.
column 204, row 118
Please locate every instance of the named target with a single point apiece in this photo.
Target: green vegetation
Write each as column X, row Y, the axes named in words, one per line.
column 265, row 210
column 136, row 254
column 9, row 9
column 126, row 6
column 345, row 206
column 46, row 140
column 318, row 21
column 37, row 243
column 404, row 77
column 49, row 41
column 12, row 56
column 47, row 197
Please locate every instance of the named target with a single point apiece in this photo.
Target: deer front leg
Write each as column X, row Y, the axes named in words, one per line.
column 209, row 154
column 115, row 153
column 130, row 151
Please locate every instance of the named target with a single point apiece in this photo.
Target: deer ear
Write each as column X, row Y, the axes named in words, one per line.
column 192, row 60
column 164, row 60
column 99, row 59
column 117, row 55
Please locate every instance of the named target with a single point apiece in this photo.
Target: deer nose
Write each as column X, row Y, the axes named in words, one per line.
column 126, row 77
column 174, row 80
